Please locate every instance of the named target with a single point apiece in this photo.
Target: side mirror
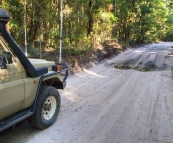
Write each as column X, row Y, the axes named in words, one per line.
column 8, row 57
column 3, row 62
column 4, row 66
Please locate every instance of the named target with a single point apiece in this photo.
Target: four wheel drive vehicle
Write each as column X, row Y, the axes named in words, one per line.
column 28, row 87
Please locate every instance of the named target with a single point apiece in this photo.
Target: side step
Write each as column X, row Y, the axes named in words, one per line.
column 15, row 119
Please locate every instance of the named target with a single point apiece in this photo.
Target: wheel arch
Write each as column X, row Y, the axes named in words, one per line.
column 51, row 79
column 56, row 82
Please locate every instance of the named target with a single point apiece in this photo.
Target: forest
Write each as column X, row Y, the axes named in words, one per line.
column 88, row 23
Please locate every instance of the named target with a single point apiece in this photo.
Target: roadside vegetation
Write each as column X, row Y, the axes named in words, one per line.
column 89, row 25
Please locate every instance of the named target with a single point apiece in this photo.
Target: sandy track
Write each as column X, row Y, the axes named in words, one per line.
column 108, row 105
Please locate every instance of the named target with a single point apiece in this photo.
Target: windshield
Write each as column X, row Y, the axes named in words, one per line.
column 4, row 44
column 4, row 47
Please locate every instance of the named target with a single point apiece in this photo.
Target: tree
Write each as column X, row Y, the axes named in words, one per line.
column 88, row 23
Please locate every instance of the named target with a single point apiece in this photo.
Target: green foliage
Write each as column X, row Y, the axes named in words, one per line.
column 103, row 26
column 88, row 23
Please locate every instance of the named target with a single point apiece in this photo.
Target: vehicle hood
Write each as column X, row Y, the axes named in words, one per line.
column 38, row 63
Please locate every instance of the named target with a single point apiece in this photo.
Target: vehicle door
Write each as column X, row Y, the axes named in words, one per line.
column 11, row 82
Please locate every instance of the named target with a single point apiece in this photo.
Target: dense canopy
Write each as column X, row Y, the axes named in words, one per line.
column 87, row 23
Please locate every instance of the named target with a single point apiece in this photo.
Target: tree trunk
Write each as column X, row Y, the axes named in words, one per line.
column 90, row 16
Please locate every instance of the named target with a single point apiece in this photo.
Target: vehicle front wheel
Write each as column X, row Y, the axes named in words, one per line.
column 48, row 107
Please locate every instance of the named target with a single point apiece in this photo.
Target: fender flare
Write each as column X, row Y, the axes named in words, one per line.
column 34, row 106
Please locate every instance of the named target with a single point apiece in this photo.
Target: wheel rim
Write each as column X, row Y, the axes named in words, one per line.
column 49, row 108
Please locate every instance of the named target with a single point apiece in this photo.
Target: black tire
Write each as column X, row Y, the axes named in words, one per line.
column 48, row 107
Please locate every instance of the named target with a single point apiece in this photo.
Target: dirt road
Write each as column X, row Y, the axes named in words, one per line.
column 109, row 105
